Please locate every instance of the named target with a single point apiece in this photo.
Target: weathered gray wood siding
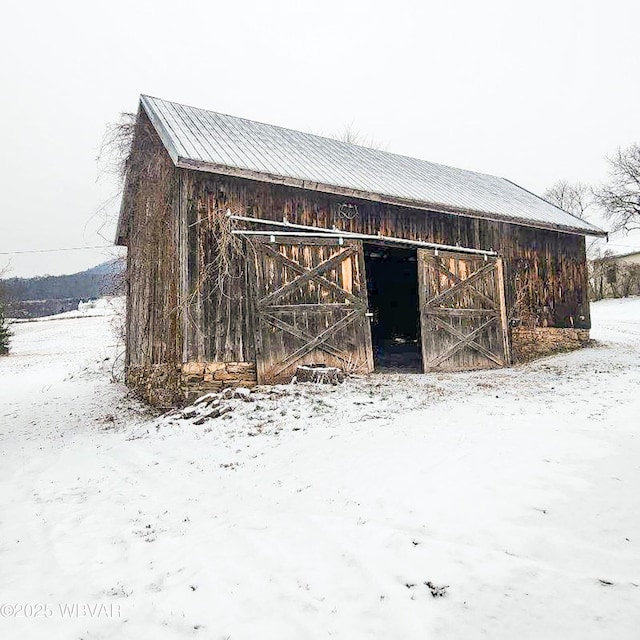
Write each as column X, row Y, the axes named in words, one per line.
column 153, row 240
column 545, row 271
column 218, row 315
column 184, row 306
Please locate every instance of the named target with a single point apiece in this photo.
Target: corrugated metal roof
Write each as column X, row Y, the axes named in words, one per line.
column 210, row 141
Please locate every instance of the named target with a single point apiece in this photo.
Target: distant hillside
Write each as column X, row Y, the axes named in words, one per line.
column 30, row 297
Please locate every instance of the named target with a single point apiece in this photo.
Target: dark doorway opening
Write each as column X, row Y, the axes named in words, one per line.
column 392, row 287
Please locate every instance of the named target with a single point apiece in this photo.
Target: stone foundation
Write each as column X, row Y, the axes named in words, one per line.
column 528, row 344
column 158, row 384
column 202, row 377
column 170, row 385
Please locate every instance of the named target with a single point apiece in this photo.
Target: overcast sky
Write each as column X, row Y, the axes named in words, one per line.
column 531, row 91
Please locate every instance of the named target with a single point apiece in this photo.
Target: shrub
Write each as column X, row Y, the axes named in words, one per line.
column 5, row 333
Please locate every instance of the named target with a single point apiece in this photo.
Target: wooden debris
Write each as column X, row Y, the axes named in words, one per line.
column 207, row 398
column 215, row 412
column 319, row 374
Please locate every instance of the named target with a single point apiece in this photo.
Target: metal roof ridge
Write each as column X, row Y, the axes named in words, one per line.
column 316, row 135
column 370, row 164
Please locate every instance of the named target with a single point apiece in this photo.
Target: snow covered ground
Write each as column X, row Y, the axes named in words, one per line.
column 322, row 515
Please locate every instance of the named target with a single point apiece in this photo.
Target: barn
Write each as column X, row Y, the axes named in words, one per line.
column 254, row 249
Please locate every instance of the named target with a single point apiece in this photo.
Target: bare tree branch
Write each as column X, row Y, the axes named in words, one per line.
column 620, row 196
column 350, row 134
column 115, row 150
column 574, row 198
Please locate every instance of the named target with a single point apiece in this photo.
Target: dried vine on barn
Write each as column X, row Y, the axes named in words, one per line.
column 134, row 153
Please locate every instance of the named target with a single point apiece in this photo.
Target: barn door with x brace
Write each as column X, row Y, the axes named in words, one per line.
column 311, row 304
column 462, row 311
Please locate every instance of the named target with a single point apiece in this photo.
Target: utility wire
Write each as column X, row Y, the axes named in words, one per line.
column 109, row 246
column 619, row 244
column 13, row 253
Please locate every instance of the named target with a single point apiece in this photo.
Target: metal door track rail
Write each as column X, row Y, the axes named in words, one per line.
column 319, row 232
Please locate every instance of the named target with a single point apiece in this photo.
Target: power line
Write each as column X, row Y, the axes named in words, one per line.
column 13, row 253
column 109, row 246
column 619, row 244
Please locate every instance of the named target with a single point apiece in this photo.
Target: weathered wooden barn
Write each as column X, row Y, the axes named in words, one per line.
column 253, row 249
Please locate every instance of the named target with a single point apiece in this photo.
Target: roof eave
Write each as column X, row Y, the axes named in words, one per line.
column 121, row 238
column 198, row 165
column 157, row 123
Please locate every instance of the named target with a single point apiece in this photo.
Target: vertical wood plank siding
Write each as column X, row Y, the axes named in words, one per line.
column 181, row 309
column 545, row 272
column 154, row 238
column 311, row 300
column 461, row 295
column 220, row 319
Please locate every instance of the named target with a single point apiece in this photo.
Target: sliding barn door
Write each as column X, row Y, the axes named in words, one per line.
column 311, row 304
column 462, row 312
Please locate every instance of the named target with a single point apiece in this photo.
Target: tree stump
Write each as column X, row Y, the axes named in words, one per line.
column 319, row 373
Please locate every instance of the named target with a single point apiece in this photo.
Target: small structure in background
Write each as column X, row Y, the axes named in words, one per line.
column 616, row 276
column 49, row 295
column 254, row 250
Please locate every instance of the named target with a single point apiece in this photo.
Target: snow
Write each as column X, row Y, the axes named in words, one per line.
column 89, row 309
column 322, row 513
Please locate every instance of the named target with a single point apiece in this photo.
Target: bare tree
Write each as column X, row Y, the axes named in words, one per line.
column 620, row 196
column 575, row 197
column 113, row 161
column 350, row 134
column 115, row 150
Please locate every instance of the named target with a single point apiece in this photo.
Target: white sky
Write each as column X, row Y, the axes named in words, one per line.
column 531, row 91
